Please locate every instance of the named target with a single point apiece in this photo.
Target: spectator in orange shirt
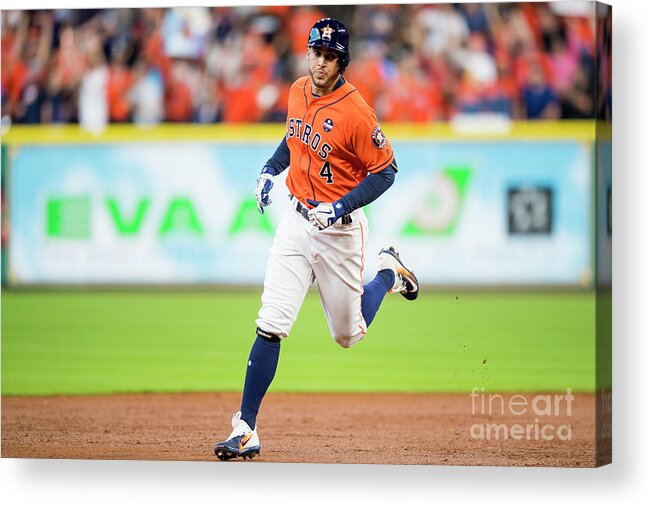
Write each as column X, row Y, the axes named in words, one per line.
column 502, row 95
column 469, row 96
column 14, row 69
column 178, row 94
column 300, row 21
column 258, row 59
column 26, row 51
column 410, row 97
column 366, row 71
column 65, row 75
column 120, row 81
column 240, row 102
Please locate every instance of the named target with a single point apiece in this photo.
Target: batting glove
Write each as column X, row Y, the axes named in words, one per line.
column 324, row 214
column 265, row 184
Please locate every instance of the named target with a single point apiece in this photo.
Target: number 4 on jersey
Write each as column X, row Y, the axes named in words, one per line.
column 326, row 173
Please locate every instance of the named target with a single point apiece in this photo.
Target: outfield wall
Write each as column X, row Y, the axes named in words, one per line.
column 175, row 205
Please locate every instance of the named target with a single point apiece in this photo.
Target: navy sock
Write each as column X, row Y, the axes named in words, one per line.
column 260, row 371
column 374, row 293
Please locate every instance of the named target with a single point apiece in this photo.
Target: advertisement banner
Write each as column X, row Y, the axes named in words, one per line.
column 465, row 213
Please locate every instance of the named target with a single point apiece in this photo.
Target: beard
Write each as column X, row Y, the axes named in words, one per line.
column 323, row 82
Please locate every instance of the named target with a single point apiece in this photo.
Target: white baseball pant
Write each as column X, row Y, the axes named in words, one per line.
column 334, row 257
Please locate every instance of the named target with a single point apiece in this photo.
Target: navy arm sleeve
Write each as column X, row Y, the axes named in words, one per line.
column 279, row 161
column 369, row 189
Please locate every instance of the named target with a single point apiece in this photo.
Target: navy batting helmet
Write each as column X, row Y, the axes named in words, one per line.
column 331, row 34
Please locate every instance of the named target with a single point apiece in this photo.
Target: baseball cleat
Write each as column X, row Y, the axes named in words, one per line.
column 406, row 282
column 243, row 442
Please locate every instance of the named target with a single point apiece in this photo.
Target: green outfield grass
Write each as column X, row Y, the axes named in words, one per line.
column 105, row 342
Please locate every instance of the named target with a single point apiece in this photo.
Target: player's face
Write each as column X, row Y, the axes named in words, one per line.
column 323, row 66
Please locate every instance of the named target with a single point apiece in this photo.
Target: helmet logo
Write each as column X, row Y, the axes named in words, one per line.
column 314, row 35
column 327, row 32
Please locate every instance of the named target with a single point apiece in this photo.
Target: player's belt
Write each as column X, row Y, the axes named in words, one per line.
column 302, row 210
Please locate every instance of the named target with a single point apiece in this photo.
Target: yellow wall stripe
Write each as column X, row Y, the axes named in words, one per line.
column 73, row 134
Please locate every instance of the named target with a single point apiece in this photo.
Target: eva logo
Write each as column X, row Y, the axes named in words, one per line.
column 439, row 211
column 70, row 217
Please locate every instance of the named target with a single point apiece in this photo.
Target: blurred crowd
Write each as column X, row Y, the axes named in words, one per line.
column 416, row 63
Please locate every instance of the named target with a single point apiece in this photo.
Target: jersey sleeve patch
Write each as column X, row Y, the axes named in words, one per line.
column 378, row 138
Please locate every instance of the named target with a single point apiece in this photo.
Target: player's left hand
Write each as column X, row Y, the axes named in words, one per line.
column 324, row 214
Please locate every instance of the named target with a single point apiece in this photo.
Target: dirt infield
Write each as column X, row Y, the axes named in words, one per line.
column 311, row 428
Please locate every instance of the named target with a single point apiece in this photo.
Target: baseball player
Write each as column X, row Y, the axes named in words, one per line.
column 339, row 160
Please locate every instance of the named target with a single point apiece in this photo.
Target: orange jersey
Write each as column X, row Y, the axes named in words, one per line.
column 334, row 142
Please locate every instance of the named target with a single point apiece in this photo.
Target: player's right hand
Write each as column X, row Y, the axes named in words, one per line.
column 265, row 184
